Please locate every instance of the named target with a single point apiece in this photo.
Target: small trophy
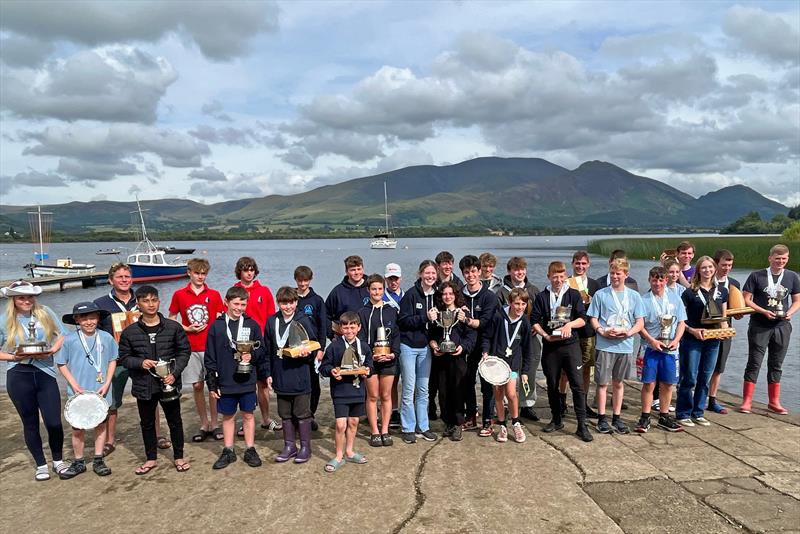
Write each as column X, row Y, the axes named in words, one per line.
column 666, row 321
column 618, row 324
column 244, row 347
column 382, row 347
column 447, row 320
column 561, row 318
column 32, row 348
column 712, row 313
column 298, row 342
column 163, row 369
column 353, row 365
column 775, row 302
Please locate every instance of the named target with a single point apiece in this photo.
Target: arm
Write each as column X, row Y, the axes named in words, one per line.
column 527, row 356
column 469, row 337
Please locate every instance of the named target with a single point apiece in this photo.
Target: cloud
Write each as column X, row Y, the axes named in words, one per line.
column 221, row 30
column 650, row 44
column 21, row 51
column 216, row 110
column 95, row 171
column 114, row 83
column 208, row 174
column 134, row 190
column 38, row 179
column 763, row 34
column 243, row 137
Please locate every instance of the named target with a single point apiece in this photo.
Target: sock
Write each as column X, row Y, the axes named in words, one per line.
column 98, row 459
column 502, row 423
column 712, row 401
column 645, row 415
column 514, row 420
column 615, row 418
column 601, row 417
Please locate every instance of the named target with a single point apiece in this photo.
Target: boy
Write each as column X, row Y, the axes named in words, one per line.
column 313, row 307
column 605, row 281
column 617, row 314
column 587, row 287
column 660, row 365
column 291, row 377
column 260, row 306
column 685, row 256
column 767, row 330
column 153, row 337
column 350, row 294
column 560, row 346
column 346, row 391
column 444, row 266
column 488, row 264
column 87, row 360
column 227, row 386
column 198, row 305
column 724, row 260
column 517, row 277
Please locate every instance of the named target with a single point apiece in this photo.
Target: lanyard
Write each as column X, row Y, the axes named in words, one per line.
column 621, row 307
column 555, row 300
column 772, row 287
column 661, row 304
column 239, row 331
column 98, row 362
column 510, row 337
column 119, row 304
column 281, row 339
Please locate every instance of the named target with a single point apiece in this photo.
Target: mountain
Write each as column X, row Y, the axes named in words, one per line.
column 488, row 192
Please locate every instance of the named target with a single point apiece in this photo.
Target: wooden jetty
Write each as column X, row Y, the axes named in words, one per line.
column 49, row 282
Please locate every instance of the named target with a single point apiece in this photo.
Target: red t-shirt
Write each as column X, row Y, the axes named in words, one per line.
column 260, row 304
column 200, row 308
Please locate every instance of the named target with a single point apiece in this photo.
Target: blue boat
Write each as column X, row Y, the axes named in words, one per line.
column 148, row 263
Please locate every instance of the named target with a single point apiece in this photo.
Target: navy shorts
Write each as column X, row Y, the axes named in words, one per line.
column 228, row 402
column 355, row 409
column 659, row 365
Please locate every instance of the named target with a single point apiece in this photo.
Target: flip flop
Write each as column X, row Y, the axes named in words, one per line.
column 333, row 465
column 108, row 448
column 144, row 469
column 201, row 436
column 182, row 468
column 357, row 458
column 217, row 434
column 164, row 443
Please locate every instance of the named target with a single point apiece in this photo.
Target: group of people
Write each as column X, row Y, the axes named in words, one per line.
column 400, row 358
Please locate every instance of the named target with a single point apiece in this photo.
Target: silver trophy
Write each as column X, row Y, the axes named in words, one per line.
column 382, row 346
column 163, row 369
column 666, row 321
column 563, row 313
column 775, row 302
column 245, row 347
column 30, row 347
column 447, row 320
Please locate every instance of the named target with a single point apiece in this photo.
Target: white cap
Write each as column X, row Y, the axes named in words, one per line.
column 393, row 269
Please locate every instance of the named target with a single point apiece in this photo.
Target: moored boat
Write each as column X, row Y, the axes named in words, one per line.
column 385, row 239
column 148, row 263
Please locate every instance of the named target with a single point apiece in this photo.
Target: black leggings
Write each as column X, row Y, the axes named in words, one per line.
column 315, row 388
column 33, row 391
column 569, row 359
column 487, row 390
column 147, row 420
column 452, row 373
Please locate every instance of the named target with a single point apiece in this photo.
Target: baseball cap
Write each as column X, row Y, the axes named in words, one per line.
column 392, row 269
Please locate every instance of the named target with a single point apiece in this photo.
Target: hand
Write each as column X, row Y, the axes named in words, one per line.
column 148, row 364
column 657, row 345
column 769, row 315
column 673, row 345
column 246, row 356
column 215, row 394
column 484, row 356
column 193, row 328
column 269, row 382
column 433, row 314
column 335, row 373
column 524, row 378
column 169, row 379
column 566, row 332
column 738, row 316
column 390, row 357
column 319, row 356
column 103, row 390
column 459, row 350
column 366, row 373
column 699, row 333
column 78, row 390
column 462, row 315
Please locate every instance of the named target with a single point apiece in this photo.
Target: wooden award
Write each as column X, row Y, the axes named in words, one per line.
column 298, row 345
column 577, row 285
column 736, row 305
column 720, row 333
column 351, row 364
column 121, row 320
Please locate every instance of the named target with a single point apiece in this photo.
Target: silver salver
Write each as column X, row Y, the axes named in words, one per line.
column 86, row 410
column 494, row 370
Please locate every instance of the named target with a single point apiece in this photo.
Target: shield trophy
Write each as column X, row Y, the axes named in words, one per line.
column 447, row 320
column 298, row 342
column 665, row 335
column 775, row 302
column 32, row 348
column 245, row 347
column 163, row 369
column 561, row 318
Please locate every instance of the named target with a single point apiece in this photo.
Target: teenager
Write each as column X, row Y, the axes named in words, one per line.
column 724, row 261
column 444, row 268
column 605, row 281
column 488, row 278
column 313, row 307
column 685, row 257
column 587, row 287
column 350, row 294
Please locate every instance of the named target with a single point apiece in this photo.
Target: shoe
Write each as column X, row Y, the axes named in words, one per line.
column 602, row 425
column 42, row 473
column 60, row 466
column 75, row 468
column 457, row 434
column 666, row 422
column 624, row 405
column 427, row 435
column 519, row 433
column 502, row 435
column 685, row 422
column 590, row 414
column 774, row 391
column 583, row 432
column 100, row 468
column 552, row 426
column 394, row 420
column 656, row 404
column 448, row 431
column 251, row 457
column 487, row 430
column 748, row 388
column 289, row 446
column 375, row 440
column 702, row 421
column 471, row 423
column 227, row 457
column 643, row 425
column 620, row 427
column 304, row 454
column 314, row 425
column 386, row 440
column 718, row 408
column 672, row 408
column 529, row 414
column 409, row 437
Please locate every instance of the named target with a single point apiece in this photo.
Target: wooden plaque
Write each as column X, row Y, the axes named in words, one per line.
column 295, row 352
column 720, row 333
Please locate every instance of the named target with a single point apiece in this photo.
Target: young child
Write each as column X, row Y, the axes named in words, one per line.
column 346, row 391
column 509, row 338
column 291, row 377
column 228, row 387
column 378, row 314
column 313, row 307
column 617, row 314
column 88, row 359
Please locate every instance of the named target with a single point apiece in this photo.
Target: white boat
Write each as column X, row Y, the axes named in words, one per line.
column 385, row 239
column 148, row 263
column 41, row 223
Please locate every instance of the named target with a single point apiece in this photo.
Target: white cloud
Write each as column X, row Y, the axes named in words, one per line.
column 764, row 34
column 208, row 174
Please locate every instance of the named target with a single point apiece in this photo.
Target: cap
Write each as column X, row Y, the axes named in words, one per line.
column 393, row 269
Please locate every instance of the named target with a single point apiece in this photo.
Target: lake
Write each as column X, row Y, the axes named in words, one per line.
column 278, row 259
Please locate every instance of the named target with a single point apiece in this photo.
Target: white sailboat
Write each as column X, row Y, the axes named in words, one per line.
column 41, row 226
column 385, row 239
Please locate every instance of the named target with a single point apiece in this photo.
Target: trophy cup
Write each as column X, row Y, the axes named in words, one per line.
column 666, row 321
column 775, row 302
column 32, row 348
column 561, row 318
column 163, row 369
column 298, row 342
column 382, row 347
column 447, row 320
column 244, row 347
column 618, row 324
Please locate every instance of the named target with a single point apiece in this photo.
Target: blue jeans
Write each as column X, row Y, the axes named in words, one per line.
column 415, row 368
column 697, row 362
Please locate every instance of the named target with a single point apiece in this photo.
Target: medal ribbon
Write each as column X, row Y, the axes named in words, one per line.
column 98, row 362
column 773, row 286
column 238, row 331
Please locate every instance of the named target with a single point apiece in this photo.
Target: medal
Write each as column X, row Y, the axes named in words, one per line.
column 99, row 378
column 509, row 351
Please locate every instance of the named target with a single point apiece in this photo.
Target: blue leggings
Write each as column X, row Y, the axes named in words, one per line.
column 33, row 391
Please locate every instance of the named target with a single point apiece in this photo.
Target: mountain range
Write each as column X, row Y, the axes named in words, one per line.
column 490, row 192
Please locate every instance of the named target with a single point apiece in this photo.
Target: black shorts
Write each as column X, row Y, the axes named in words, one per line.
column 294, row 406
column 386, row 368
column 355, row 409
column 722, row 357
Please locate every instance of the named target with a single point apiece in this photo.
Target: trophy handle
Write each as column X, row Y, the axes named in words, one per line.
column 256, row 344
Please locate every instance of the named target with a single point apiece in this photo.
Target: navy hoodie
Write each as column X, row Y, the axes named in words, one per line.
column 313, row 307
column 482, row 306
column 373, row 317
column 541, row 315
column 290, row 376
column 344, row 391
column 343, row 298
column 218, row 357
column 495, row 341
column 413, row 317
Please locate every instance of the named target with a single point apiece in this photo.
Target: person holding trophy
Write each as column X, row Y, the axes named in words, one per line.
column 29, row 335
column 381, row 334
column 774, row 294
column 234, row 360
column 155, row 350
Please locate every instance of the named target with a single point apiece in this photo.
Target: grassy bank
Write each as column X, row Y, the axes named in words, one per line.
column 750, row 252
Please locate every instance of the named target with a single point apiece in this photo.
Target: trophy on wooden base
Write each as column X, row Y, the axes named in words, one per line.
column 32, row 348
column 382, row 345
column 298, row 345
column 736, row 304
column 353, row 365
column 121, row 320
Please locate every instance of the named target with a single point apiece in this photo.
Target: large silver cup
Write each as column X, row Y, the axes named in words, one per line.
column 666, row 321
column 447, row 320
column 775, row 303
column 162, row 370
column 245, row 347
column 561, row 318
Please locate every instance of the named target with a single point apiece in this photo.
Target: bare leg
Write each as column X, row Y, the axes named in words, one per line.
column 601, row 398
column 249, row 424
column 212, row 408
column 499, row 395
column 229, row 430
column 713, row 386
column 200, row 402
column 77, row 442
column 100, row 438
column 339, row 439
column 647, row 396
column 263, row 401
column 372, row 403
column 352, row 428
column 111, row 434
column 617, row 395
column 665, row 394
column 513, row 400
column 386, row 387
column 563, row 383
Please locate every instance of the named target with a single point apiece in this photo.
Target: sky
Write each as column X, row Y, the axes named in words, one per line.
column 214, row 101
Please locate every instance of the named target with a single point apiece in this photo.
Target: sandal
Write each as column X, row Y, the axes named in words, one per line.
column 182, row 467
column 144, row 469
column 108, row 448
column 272, row 425
column 357, row 458
column 240, row 432
column 42, row 473
column 164, row 443
column 217, row 434
column 334, row 465
column 201, row 436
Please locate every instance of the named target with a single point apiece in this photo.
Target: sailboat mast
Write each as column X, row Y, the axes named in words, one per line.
column 41, row 242
column 141, row 221
column 386, row 207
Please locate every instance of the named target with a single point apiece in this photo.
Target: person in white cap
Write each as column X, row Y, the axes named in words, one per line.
column 392, row 295
column 31, row 379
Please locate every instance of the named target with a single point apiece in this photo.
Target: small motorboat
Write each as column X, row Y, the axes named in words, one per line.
column 107, row 251
column 176, row 250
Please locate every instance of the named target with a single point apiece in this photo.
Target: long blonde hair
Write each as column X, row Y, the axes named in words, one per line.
column 16, row 333
column 695, row 281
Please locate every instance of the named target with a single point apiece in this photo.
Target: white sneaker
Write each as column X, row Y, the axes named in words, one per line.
column 702, row 421
column 502, row 436
column 672, row 408
column 685, row 422
column 519, row 434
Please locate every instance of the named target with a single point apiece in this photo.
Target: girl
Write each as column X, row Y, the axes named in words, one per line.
column 673, row 275
column 88, row 360
column 698, row 355
column 379, row 314
column 453, row 365
column 415, row 356
column 31, row 381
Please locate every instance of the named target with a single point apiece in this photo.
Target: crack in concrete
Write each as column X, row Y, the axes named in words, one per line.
column 419, row 495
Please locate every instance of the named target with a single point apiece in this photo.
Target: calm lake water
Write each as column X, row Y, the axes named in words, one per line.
column 278, row 259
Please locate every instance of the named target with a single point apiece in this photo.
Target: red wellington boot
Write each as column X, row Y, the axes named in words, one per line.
column 774, row 391
column 748, row 388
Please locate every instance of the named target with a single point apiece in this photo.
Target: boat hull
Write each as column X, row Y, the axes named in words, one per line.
column 151, row 273
column 383, row 244
column 39, row 271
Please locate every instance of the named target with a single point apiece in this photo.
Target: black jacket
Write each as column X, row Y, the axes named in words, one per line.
column 413, row 317
column 314, row 308
column 343, row 298
column 135, row 347
column 385, row 316
column 495, row 343
column 220, row 363
column 541, row 314
column 460, row 334
column 290, row 376
column 344, row 391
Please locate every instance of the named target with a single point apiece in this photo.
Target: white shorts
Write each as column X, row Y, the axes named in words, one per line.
column 195, row 370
